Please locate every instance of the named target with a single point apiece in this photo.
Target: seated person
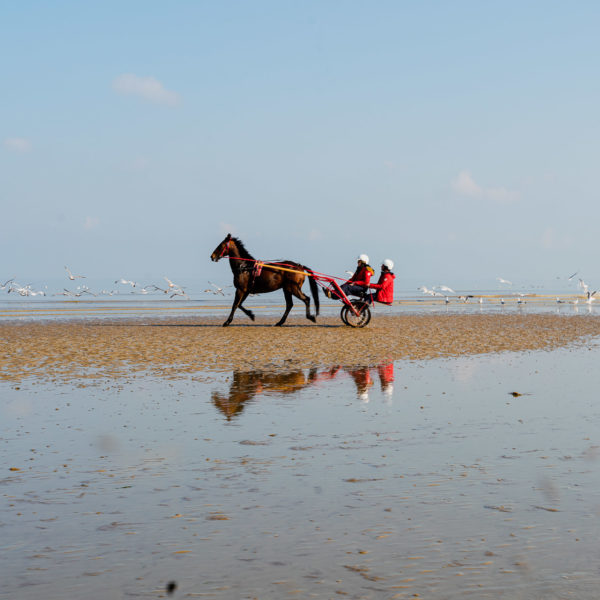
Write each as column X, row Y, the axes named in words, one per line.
column 358, row 284
column 385, row 285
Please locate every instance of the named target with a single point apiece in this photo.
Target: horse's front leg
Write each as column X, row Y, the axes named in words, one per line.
column 239, row 298
column 288, row 306
column 247, row 312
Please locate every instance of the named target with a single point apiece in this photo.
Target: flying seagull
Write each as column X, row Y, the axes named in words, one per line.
column 71, row 276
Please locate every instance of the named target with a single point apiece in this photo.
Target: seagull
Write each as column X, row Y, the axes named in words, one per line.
column 583, row 285
column 590, row 297
column 447, row 300
column 3, row 286
column 428, row 291
column 502, row 301
column 559, row 301
column 171, row 284
column 126, row 282
column 71, row 276
column 571, row 277
column 154, row 287
column 217, row 290
column 444, row 288
column 480, row 300
column 504, row 281
column 465, row 299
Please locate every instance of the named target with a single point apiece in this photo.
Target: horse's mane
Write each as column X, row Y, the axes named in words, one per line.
column 241, row 248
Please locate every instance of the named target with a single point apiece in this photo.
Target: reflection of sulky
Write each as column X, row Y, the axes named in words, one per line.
column 363, row 380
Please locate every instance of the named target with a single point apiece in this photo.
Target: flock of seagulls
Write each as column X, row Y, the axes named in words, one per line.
column 170, row 288
column 444, row 291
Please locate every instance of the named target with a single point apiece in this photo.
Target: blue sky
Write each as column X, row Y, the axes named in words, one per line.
column 459, row 139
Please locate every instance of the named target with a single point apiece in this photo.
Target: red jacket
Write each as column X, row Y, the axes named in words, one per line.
column 362, row 276
column 384, row 287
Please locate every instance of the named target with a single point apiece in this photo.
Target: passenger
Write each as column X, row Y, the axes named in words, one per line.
column 385, row 285
column 358, row 284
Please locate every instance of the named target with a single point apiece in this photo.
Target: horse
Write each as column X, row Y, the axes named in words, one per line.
column 251, row 276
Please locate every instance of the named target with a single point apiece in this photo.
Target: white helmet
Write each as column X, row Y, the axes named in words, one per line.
column 388, row 263
column 364, row 258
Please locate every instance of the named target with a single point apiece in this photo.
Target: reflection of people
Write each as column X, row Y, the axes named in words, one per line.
column 363, row 380
column 385, row 285
column 386, row 379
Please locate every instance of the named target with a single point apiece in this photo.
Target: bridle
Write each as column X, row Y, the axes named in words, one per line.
column 225, row 249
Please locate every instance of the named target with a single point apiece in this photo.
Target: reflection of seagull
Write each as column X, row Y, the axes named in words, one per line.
column 504, row 281
column 71, row 276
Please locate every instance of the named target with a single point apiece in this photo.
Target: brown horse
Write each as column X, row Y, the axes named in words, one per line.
column 253, row 277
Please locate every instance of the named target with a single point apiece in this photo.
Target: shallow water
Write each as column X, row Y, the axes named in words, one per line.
column 324, row 483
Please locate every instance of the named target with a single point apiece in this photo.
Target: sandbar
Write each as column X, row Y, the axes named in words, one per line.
column 92, row 351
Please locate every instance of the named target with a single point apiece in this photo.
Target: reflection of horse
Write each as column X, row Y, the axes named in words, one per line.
column 246, row 384
column 253, row 277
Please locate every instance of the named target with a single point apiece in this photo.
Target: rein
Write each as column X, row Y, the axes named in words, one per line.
column 280, row 266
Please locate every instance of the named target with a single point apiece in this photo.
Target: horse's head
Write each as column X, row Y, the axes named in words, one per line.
column 222, row 249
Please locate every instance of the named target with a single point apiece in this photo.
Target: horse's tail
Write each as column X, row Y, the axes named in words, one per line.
column 313, row 287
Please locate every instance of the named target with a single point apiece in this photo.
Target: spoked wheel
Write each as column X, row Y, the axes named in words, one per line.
column 360, row 320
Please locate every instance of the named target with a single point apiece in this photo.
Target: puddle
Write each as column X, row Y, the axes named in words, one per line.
column 386, row 481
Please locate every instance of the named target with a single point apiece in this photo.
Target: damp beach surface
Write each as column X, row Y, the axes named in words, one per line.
column 433, row 456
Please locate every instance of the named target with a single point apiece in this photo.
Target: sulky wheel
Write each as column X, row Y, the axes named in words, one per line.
column 343, row 314
column 364, row 314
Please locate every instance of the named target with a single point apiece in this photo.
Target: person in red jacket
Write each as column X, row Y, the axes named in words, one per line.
column 385, row 285
column 358, row 284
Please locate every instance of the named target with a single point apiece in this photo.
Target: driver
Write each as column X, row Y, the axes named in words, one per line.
column 358, row 284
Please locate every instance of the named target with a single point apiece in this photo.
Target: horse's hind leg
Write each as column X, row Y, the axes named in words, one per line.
column 302, row 296
column 288, row 307
column 240, row 296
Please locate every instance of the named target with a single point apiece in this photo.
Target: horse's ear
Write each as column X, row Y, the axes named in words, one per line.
column 228, row 237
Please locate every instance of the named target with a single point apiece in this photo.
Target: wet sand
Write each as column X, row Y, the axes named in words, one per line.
column 85, row 352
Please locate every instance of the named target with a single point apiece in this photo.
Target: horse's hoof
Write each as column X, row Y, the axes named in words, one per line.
column 251, row 315
column 226, row 324
column 312, row 318
column 279, row 324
